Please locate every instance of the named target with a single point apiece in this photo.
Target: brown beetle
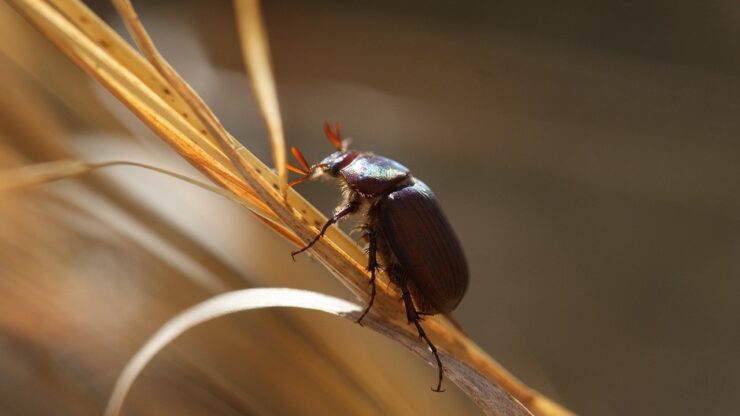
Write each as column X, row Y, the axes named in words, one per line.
column 404, row 226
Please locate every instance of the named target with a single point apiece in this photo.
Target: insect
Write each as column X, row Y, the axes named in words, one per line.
column 404, row 226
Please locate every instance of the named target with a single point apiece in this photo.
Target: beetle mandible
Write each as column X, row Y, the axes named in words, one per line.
column 404, row 226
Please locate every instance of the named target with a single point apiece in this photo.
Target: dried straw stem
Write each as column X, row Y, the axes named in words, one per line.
column 167, row 104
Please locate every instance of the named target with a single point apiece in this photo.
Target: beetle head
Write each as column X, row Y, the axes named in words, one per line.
column 330, row 165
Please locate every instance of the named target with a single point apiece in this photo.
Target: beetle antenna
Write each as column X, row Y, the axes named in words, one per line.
column 304, row 169
column 299, row 180
column 305, row 172
column 299, row 157
column 295, row 169
column 334, row 135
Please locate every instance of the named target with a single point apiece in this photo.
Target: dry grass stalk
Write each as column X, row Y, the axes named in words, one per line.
column 34, row 175
column 159, row 97
column 256, row 53
column 215, row 307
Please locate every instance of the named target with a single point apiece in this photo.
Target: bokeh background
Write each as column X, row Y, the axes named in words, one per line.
column 587, row 153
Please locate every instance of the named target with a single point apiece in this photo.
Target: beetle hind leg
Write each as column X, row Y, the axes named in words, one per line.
column 413, row 317
column 372, row 267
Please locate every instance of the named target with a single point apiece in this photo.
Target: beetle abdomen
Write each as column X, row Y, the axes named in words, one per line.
column 426, row 247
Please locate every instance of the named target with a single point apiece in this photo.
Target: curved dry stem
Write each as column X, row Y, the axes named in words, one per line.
column 490, row 398
column 41, row 173
column 167, row 104
column 217, row 306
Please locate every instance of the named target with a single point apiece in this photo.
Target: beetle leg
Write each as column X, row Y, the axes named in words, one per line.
column 372, row 266
column 413, row 317
column 350, row 208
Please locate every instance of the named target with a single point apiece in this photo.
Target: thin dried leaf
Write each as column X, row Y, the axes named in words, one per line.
column 490, row 398
column 34, row 175
column 41, row 173
column 337, row 251
column 256, row 54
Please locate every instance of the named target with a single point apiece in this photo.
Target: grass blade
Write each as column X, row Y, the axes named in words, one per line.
column 217, row 306
column 157, row 95
column 491, row 399
column 256, row 54
column 41, row 173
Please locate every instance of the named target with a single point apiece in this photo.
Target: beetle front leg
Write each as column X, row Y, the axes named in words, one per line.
column 372, row 267
column 413, row 317
column 350, row 208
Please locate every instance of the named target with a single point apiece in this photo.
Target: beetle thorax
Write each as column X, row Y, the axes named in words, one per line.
column 370, row 175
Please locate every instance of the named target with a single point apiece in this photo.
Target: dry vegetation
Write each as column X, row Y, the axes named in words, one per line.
column 48, row 222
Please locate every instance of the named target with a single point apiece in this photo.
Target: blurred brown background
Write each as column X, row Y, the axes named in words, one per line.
column 586, row 152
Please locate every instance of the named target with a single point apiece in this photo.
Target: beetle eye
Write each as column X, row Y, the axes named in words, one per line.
column 334, row 170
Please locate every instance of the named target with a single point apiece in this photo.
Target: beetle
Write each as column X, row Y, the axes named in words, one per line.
column 404, row 226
